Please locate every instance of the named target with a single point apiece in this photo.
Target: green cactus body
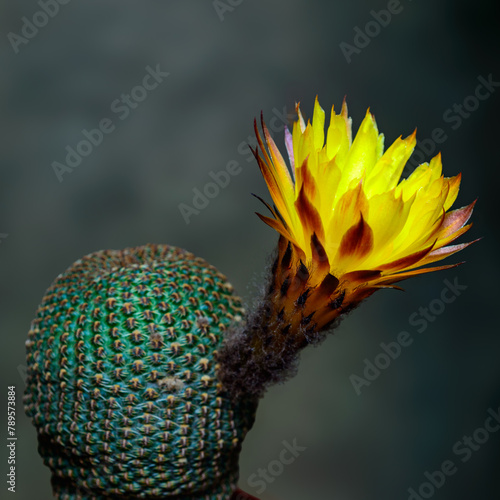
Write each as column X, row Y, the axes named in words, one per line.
column 123, row 382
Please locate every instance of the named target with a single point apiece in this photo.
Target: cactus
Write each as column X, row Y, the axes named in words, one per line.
column 123, row 382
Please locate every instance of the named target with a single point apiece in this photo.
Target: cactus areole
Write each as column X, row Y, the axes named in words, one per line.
column 123, row 384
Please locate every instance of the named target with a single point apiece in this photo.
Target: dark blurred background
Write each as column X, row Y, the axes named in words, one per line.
column 228, row 60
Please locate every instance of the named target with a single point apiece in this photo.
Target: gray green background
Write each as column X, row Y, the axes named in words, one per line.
column 261, row 55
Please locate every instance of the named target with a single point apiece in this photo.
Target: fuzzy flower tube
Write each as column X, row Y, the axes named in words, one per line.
column 144, row 371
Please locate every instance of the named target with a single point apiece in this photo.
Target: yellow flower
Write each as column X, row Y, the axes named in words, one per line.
column 348, row 224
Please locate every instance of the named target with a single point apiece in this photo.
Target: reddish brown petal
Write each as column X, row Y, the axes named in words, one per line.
column 441, row 253
column 278, row 226
column 394, row 278
column 450, row 238
column 302, row 273
column 299, row 253
column 360, row 294
column 287, row 257
column 456, row 219
column 259, row 138
column 272, row 185
column 307, row 180
column 362, row 276
column 445, row 251
column 320, row 258
column 407, row 260
column 328, row 285
column 265, row 203
column 357, row 241
column 309, row 216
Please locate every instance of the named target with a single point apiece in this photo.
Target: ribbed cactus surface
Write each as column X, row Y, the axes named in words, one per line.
column 122, row 378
